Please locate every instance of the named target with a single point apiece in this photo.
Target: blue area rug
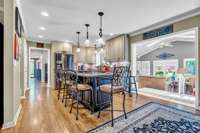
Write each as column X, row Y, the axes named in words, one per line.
column 153, row 118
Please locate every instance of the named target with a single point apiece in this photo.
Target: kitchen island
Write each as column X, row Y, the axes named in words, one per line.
column 95, row 79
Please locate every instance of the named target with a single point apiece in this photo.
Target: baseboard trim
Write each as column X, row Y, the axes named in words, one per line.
column 48, row 85
column 166, row 99
column 14, row 122
column 8, row 125
column 23, row 97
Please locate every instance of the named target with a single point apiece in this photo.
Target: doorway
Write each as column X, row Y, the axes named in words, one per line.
column 39, row 65
column 167, row 67
column 2, row 75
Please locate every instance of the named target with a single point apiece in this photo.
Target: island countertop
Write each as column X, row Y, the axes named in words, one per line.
column 93, row 74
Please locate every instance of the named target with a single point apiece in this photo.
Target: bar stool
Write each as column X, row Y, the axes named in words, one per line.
column 59, row 82
column 78, row 89
column 120, row 74
column 132, row 81
column 66, row 87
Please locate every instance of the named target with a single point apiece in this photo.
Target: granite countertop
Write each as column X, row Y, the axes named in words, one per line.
column 151, row 76
column 93, row 74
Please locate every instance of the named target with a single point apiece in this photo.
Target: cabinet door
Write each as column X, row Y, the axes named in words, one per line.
column 115, row 49
column 90, row 55
column 83, row 56
column 107, row 51
column 121, row 48
column 75, row 54
column 118, row 49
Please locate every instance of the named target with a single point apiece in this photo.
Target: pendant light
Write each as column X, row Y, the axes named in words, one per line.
column 87, row 41
column 95, row 46
column 100, row 40
column 101, row 48
column 78, row 49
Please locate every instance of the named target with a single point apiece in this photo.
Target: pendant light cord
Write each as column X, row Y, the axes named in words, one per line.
column 78, row 39
column 100, row 29
column 87, row 33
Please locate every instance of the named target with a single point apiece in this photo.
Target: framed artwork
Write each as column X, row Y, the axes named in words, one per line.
column 190, row 65
column 16, row 47
column 165, row 67
column 18, row 23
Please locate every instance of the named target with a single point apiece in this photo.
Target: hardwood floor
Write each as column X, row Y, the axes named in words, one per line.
column 43, row 113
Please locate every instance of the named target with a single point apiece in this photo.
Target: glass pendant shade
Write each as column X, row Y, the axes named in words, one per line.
column 87, row 42
column 78, row 50
column 101, row 49
column 101, row 41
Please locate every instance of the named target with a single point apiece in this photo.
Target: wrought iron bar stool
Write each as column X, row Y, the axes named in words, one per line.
column 59, row 82
column 66, row 86
column 77, row 90
column 120, row 75
column 132, row 81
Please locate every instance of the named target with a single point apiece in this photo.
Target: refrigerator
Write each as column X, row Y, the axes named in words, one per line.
column 68, row 61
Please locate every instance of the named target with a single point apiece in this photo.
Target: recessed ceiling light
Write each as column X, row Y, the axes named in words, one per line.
column 40, row 36
column 111, row 34
column 44, row 13
column 42, row 28
column 67, row 41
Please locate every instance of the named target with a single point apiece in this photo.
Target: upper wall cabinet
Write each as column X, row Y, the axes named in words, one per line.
column 86, row 55
column 116, row 49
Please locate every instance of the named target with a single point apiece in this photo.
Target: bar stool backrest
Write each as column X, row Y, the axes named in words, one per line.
column 126, row 75
column 66, row 75
column 118, row 76
column 73, row 77
column 58, row 75
column 59, row 79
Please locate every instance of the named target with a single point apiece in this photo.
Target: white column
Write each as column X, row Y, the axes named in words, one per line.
column 133, row 60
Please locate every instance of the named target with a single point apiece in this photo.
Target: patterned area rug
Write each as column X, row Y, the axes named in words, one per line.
column 153, row 118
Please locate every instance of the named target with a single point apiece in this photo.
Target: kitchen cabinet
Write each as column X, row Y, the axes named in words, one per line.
column 90, row 55
column 115, row 49
column 86, row 55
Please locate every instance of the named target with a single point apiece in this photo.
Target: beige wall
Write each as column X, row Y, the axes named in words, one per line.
column 1, row 17
column 12, row 87
column 1, row 12
column 57, row 47
column 8, row 60
column 23, row 66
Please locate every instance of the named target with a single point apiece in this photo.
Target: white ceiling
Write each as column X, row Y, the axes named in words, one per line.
column 121, row 16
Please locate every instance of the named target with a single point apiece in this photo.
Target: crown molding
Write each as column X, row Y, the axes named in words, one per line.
column 41, row 41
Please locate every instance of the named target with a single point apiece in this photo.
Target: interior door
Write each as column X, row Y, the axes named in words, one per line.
column 1, row 77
